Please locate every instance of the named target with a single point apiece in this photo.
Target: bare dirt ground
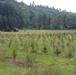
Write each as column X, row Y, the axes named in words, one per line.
column 19, row 63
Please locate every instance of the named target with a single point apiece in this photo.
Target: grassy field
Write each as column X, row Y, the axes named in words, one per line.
column 38, row 52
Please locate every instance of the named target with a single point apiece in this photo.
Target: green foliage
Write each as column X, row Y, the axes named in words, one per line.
column 18, row 14
column 57, row 52
column 42, row 52
column 30, row 59
column 2, row 52
column 14, row 54
column 61, row 44
column 70, row 54
column 8, row 69
column 45, row 50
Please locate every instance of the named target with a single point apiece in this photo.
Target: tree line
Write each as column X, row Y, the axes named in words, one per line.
column 19, row 15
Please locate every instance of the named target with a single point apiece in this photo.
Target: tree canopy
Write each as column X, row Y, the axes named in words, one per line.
column 20, row 15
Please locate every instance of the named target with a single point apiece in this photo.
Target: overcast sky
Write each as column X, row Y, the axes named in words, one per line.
column 69, row 5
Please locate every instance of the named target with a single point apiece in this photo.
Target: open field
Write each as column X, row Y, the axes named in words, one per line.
column 38, row 52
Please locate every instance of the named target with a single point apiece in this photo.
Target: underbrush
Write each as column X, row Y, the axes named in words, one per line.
column 41, row 53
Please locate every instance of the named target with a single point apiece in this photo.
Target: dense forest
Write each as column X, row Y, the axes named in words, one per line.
column 22, row 16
